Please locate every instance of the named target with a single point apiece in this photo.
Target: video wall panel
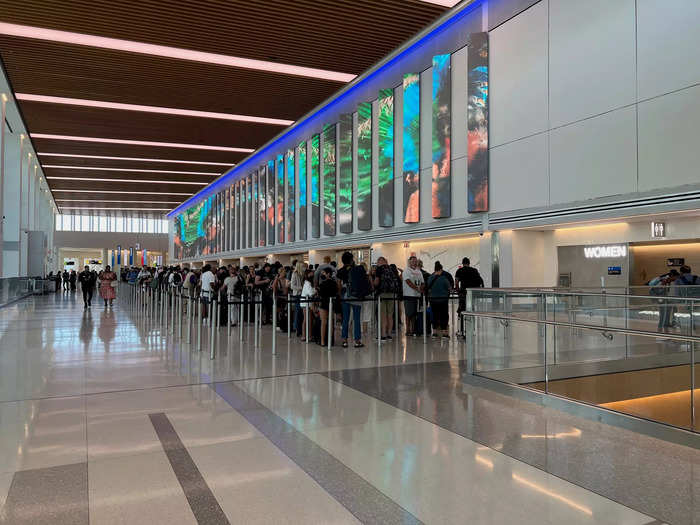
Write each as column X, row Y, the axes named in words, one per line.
column 442, row 117
column 364, row 166
column 411, row 148
column 315, row 186
column 329, row 186
column 291, row 196
column 279, row 220
column 245, row 224
column 270, row 202
column 385, row 158
column 251, row 211
column 235, row 223
column 345, row 155
column 262, row 204
column 302, row 192
column 478, row 124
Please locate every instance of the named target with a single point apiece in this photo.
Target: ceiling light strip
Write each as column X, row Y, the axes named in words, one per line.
column 114, row 209
column 139, row 181
column 138, row 142
column 58, row 166
column 130, row 46
column 54, row 190
column 117, row 201
column 137, row 159
column 151, row 109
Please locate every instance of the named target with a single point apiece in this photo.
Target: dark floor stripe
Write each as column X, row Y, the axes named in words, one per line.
column 200, row 497
column 51, row 496
column 361, row 498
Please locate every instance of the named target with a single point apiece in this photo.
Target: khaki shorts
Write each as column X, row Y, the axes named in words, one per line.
column 387, row 305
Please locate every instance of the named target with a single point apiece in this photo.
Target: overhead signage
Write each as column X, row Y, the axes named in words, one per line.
column 605, row 252
column 675, row 261
column 658, row 230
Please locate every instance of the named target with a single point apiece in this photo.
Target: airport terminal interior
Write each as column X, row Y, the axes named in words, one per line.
column 351, row 261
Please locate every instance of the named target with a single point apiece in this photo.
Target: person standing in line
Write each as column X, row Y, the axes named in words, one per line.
column 297, row 284
column 328, row 291
column 660, row 286
column 66, row 280
column 108, row 285
column 307, row 293
column 320, row 267
column 412, row 288
column 231, row 286
column 387, row 282
column 466, row 277
column 207, row 285
column 87, row 280
column 73, row 280
column 439, row 288
column 354, row 287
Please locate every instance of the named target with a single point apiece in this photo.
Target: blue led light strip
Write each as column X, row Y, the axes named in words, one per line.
column 271, row 148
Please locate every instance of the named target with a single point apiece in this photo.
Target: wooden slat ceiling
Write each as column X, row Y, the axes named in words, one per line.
column 337, row 35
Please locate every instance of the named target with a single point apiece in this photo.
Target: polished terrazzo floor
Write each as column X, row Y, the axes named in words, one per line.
column 105, row 417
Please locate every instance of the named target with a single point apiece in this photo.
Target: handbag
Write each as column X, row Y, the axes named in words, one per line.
column 114, row 284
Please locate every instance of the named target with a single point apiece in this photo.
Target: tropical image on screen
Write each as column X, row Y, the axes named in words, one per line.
column 411, row 147
column 345, row 174
column 279, row 220
column 270, row 202
column 302, row 192
column 441, row 180
column 236, row 223
column 315, row 186
column 364, row 166
column 478, row 124
column 211, row 227
column 385, row 157
column 291, row 195
column 329, row 190
column 253, row 210
column 262, row 204
column 243, row 203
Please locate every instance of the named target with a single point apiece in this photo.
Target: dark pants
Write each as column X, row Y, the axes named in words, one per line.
column 440, row 314
column 356, row 310
column 87, row 294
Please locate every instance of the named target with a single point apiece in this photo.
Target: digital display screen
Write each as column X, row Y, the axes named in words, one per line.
column 270, row 202
column 345, row 174
column 315, row 186
column 329, row 190
column 252, row 211
column 279, row 220
column 302, row 192
column 442, row 183
column 478, row 124
column 236, row 222
column 385, row 157
column 364, row 166
column 411, row 147
column 291, row 196
column 262, row 217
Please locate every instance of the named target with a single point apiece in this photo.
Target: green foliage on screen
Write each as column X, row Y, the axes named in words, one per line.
column 291, row 196
column 329, row 189
column 364, row 166
column 303, row 197
column 385, row 157
column 411, row 147
column 315, row 186
column 345, row 175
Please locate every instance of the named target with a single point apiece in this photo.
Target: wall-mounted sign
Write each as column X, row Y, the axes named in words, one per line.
column 675, row 261
column 614, row 270
column 601, row 252
column 658, row 230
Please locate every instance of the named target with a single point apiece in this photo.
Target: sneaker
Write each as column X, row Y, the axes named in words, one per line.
column 387, row 337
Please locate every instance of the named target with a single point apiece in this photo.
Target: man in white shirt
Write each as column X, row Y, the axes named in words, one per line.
column 206, row 291
column 230, row 283
column 412, row 279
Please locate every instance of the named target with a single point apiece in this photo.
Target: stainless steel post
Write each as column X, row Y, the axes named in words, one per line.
column 240, row 319
column 255, row 320
column 396, row 316
column 179, row 315
column 379, row 320
column 229, row 314
column 307, row 320
column 425, row 319
column 274, row 323
column 692, row 367
column 200, row 306
column 212, row 313
column 190, row 315
column 330, row 322
column 174, row 310
column 166, row 296
column 289, row 316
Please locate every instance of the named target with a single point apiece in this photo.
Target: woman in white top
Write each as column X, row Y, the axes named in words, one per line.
column 230, row 283
column 307, row 292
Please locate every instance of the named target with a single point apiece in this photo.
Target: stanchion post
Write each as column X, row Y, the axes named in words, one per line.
column 274, row 323
column 307, row 320
column 396, row 315
column 379, row 320
column 425, row 319
column 190, row 314
column 228, row 314
column 200, row 306
column 330, row 322
column 289, row 316
column 212, row 313
column 179, row 315
column 240, row 319
column 256, row 316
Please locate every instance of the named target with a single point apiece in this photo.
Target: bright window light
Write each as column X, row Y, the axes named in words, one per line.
column 138, row 142
column 139, row 159
column 123, row 192
column 130, row 46
column 151, row 109
column 58, row 166
column 128, row 180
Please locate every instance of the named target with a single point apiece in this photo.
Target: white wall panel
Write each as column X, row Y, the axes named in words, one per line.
column 669, row 143
column 592, row 58
column 518, row 76
column 594, row 158
column 519, row 174
column 668, row 40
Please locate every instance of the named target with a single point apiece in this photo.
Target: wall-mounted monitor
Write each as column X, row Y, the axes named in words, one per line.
column 411, row 148
column 442, row 122
column 385, row 157
column 279, row 190
column 345, row 173
column 478, row 124
column 270, row 202
column 315, row 186
column 302, row 191
column 291, row 196
column 329, row 170
column 364, row 166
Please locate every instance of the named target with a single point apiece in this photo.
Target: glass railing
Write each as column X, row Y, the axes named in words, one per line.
column 629, row 353
column 14, row 288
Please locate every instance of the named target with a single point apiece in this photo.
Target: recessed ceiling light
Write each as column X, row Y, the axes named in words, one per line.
column 444, row 3
column 130, row 46
column 58, row 166
column 117, row 191
column 139, row 159
column 151, row 109
column 115, row 209
column 123, row 202
column 128, row 180
column 138, row 142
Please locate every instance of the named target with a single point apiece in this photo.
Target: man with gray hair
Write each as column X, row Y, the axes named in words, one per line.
column 412, row 279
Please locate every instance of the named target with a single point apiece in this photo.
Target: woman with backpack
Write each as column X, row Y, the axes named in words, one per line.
column 354, row 287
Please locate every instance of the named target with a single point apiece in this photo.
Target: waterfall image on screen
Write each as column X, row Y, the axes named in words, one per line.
column 478, row 124
column 291, row 195
column 279, row 220
column 345, row 174
column 411, row 147
column 262, row 203
column 302, row 192
column 385, row 157
column 364, row 166
column 315, row 186
column 329, row 190
column 441, row 182
column 270, row 202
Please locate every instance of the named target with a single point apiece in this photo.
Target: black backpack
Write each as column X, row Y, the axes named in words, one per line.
column 177, row 279
column 389, row 281
column 358, row 283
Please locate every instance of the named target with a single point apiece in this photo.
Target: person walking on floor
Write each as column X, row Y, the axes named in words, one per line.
column 87, row 280
column 108, row 285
